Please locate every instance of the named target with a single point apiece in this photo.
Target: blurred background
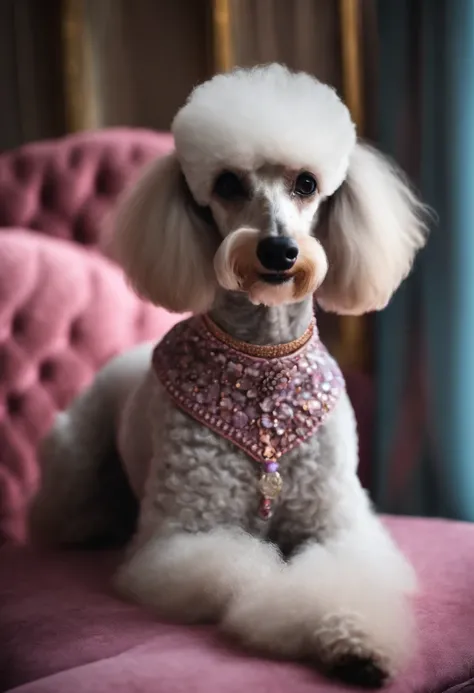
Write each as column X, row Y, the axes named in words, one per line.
column 405, row 68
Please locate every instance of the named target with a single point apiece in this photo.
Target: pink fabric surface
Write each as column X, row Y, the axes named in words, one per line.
column 62, row 630
column 64, row 311
column 64, row 188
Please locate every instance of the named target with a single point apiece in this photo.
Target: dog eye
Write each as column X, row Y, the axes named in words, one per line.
column 228, row 186
column 305, row 185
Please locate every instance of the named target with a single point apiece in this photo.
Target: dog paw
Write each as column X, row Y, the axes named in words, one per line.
column 346, row 656
column 355, row 670
column 348, row 648
column 358, row 650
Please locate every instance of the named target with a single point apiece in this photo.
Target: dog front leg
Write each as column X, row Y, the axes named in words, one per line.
column 194, row 551
column 341, row 600
column 193, row 577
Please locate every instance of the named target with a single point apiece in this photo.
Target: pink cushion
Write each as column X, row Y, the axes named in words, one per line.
column 62, row 630
column 65, row 187
column 64, row 311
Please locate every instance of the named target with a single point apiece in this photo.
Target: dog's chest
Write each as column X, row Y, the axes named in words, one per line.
column 265, row 406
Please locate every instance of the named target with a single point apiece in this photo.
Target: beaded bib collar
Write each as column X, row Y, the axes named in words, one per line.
column 265, row 399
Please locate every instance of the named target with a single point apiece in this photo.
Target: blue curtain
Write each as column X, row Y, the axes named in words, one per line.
column 425, row 338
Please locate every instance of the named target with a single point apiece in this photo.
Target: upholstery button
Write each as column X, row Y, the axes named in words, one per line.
column 102, row 182
column 35, row 223
column 23, row 168
column 83, row 231
column 18, row 324
column 4, row 213
column 140, row 320
column 14, row 403
column 109, row 181
column 48, row 194
column 47, row 370
column 75, row 157
column 75, row 332
column 137, row 155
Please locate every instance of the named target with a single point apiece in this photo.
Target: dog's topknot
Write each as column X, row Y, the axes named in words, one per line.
column 248, row 117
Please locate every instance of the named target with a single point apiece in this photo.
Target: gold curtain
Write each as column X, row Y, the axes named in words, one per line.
column 303, row 34
column 353, row 343
column 132, row 63
column 80, row 105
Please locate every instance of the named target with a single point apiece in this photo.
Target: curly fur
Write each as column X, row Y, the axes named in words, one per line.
column 370, row 237
column 322, row 580
column 264, row 115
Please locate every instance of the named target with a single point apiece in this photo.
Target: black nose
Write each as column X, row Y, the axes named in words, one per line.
column 277, row 253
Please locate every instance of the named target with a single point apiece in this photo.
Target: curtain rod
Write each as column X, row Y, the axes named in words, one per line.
column 222, row 35
column 353, row 347
column 80, row 106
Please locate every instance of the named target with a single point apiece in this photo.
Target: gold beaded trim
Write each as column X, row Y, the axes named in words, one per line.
column 268, row 351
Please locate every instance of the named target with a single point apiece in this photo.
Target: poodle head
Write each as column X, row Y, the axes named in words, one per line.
column 269, row 193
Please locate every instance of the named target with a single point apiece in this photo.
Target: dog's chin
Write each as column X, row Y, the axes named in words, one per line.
column 272, row 290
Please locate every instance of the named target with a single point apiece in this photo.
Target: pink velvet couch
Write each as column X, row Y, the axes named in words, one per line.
column 65, row 310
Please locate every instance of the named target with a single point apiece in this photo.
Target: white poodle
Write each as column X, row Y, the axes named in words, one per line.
column 235, row 432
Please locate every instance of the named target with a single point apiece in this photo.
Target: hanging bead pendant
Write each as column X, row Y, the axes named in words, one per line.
column 270, row 485
column 265, row 508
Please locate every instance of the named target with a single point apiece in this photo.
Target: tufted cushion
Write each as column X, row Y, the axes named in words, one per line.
column 64, row 188
column 63, row 312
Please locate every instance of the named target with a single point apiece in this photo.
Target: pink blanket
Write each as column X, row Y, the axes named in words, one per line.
column 62, row 631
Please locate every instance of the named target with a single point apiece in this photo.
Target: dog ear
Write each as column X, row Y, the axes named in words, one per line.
column 370, row 229
column 163, row 243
